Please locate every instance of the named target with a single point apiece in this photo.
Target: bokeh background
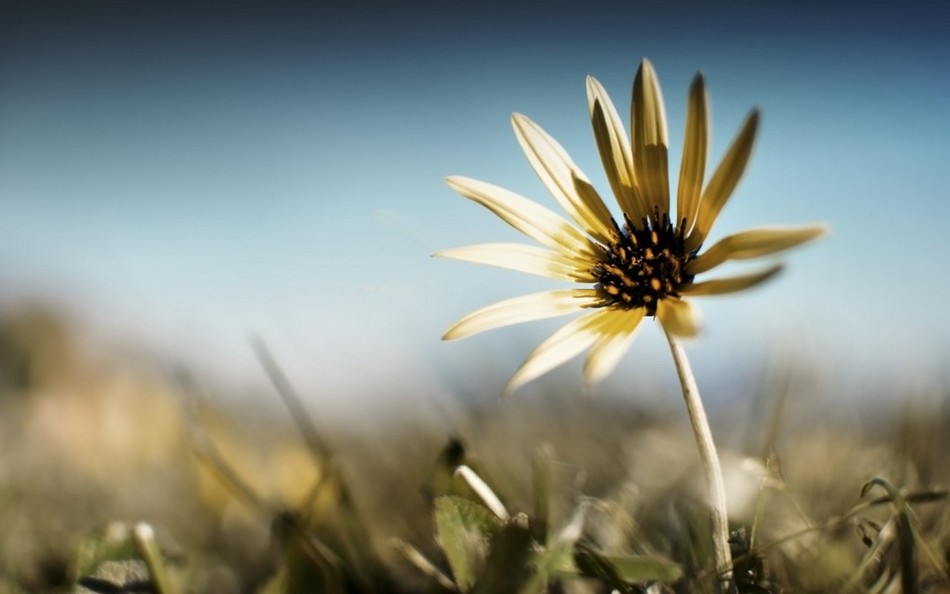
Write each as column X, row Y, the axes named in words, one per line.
column 176, row 177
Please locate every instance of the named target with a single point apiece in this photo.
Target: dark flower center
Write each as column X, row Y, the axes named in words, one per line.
column 644, row 264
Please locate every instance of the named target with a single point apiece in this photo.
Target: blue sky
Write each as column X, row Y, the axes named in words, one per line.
column 184, row 174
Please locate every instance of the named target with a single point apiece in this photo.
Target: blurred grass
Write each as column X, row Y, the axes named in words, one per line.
column 92, row 442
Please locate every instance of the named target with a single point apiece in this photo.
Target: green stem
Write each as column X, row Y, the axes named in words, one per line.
column 144, row 538
column 711, row 467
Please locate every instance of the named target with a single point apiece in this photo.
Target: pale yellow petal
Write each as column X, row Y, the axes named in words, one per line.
column 563, row 345
column 678, row 317
column 525, row 308
column 614, row 149
column 733, row 284
column 588, row 193
column 695, row 147
column 523, row 258
column 753, row 243
column 612, row 345
column 529, row 217
column 649, row 140
column 558, row 172
column 724, row 181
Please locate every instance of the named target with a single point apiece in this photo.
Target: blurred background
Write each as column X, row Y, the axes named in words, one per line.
column 176, row 177
column 180, row 178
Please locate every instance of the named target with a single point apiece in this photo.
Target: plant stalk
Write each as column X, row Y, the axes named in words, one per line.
column 712, row 469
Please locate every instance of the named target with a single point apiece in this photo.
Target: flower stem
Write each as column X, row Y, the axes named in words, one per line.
column 713, row 471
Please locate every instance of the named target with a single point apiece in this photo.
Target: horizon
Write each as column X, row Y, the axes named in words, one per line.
column 182, row 177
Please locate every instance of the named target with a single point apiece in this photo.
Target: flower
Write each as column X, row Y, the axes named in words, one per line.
column 641, row 264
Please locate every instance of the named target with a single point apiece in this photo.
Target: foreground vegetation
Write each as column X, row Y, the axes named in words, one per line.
column 116, row 479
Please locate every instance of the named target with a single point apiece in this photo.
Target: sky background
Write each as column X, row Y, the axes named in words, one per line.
column 183, row 175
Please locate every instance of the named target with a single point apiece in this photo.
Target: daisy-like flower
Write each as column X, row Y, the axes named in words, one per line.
column 641, row 263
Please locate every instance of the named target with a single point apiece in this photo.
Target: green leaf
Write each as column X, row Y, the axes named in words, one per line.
column 547, row 564
column 556, row 558
column 619, row 571
column 111, row 542
column 463, row 529
column 119, row 557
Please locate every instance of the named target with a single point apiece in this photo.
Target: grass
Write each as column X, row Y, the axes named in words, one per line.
column 110, row 471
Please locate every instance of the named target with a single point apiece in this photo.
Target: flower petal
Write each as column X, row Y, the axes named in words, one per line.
column 561, row 346
column 733, row 284
column 614, row 150
column 527, row 216
column 612, row 345
column 523, row 258
column 650, row 140
column 525, row 308
column 695, row 147
column 753, row 243
column 678, row 317
column 558, row 173
column 724, row 181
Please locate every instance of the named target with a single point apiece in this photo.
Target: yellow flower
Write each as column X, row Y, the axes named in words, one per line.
column 640, row 264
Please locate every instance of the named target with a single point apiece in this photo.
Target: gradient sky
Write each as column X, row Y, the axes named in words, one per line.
column 186, row 174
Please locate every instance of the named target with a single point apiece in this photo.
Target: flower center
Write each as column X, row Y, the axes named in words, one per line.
column 643, row 264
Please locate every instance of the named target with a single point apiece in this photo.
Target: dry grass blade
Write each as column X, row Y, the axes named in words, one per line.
column 348, row 527
column 290, row 530
column 292, row 401
column 422, row 563
column 541, row 478
column 905, row 533
column 208, row 454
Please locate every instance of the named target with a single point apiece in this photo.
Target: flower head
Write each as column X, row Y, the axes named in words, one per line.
column 640, row 263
